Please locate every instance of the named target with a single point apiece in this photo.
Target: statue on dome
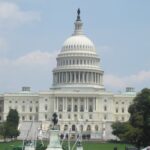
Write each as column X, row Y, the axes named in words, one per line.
column 78, row 11
column 78, row 16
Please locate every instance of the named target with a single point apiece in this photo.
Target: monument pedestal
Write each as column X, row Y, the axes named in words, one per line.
column 54, row 143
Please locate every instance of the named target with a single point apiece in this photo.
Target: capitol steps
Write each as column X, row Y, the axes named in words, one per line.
column 29, row 130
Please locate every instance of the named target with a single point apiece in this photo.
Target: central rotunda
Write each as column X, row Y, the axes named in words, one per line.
column 78, row 63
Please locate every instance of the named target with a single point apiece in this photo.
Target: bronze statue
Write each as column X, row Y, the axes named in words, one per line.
column 78, row 11
column 78, row 14
column 54, row 119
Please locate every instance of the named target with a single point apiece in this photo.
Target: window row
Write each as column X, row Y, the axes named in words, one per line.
column 75, row 117
column 27, row 101
column 77, row 62
column 77, row 47
column 122, row 110
column 75, row 108
column 26, row 109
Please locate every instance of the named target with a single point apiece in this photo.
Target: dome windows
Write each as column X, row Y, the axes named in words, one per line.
column 77, row 61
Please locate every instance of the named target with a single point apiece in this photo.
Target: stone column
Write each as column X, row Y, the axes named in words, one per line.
column 87, row 104
column 95, row 76
column 72, row 104
column 59, row 77
column 75, row 77
column 79, row 76
column 78, row 104
column 84, row 102
column 57, row 104
column 66, row 77
column 63, row 104
column 70, row 77
column 92, row 79
column 83, row 74
column 95, row 103
column 87, row 77
column 54, row 104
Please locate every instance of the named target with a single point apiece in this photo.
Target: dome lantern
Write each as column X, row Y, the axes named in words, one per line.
column 78, row 24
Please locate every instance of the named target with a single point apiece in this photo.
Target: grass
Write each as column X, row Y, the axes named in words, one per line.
column 9, row 145
column 87, row 145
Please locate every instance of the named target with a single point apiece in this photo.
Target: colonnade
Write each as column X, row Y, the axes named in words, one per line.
column 75, row 104
column 77, row 77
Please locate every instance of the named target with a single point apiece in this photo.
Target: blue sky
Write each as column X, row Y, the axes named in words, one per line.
column 33, row 31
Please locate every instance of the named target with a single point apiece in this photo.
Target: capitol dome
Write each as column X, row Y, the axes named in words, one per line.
column 77, row 63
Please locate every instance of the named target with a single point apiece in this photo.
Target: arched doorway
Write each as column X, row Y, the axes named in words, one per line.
column 73, row 127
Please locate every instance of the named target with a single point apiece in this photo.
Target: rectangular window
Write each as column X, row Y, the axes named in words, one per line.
column 69, row 108
column 30, row 109
column 36, row 109
column 116, row 110
column 81, row 108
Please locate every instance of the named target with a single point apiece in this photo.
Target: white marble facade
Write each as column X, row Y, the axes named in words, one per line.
column 77, row 95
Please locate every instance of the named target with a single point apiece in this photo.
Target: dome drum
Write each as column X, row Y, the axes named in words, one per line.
column 77, row 77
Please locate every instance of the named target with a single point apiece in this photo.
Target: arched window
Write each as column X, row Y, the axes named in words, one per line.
column 88, row 128
column 73, row 128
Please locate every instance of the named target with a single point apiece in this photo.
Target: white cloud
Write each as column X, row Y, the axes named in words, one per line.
column 33, row 69
column 113, row 81
column 10, row 13
column 34, row 58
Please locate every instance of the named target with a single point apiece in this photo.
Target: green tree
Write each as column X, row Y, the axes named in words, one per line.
column 11, row 124
column 3, row 130
column 137, row 129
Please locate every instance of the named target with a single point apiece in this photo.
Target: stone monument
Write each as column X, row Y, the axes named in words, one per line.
column 54, row 143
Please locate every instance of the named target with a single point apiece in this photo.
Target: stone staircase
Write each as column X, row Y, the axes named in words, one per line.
column 28, row 129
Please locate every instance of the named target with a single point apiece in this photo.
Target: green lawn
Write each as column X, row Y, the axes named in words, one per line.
column 86, row 145
column 102, row 146
column 10, row 145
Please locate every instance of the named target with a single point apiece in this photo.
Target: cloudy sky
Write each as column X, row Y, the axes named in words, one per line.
column 33, row 31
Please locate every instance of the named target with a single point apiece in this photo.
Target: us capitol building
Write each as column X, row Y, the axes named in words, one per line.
column 77, row 95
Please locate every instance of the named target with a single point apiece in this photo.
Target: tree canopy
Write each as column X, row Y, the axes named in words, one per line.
column 9, row 129
column 137, row 129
